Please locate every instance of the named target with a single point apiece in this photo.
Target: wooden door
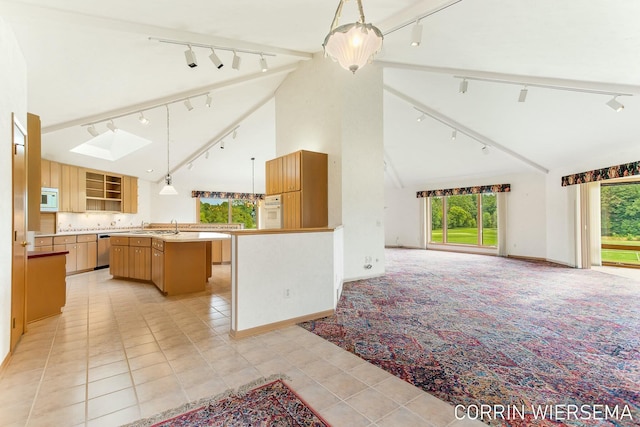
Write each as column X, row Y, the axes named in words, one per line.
column 19, row 244
column 82, row 256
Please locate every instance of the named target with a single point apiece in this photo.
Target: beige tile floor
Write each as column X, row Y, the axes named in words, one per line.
column 121, row 351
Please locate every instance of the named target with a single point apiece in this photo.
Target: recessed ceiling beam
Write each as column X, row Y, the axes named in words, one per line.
column 463, row 129
column 158, row 102
column 547, row 82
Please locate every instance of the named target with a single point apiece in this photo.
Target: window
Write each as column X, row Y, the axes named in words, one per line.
column 470, row 219
column 227, row 211
column 620, row 223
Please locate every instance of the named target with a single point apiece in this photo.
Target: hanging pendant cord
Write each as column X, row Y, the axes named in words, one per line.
column 167, row 140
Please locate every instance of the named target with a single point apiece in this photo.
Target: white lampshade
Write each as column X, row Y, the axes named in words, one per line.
column 353, row 45
column 168, row 189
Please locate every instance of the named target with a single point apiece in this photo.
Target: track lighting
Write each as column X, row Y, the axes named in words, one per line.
column 416, row 34
column 208, row 101
column 187, row 103
column 421, row 118
column 190, row 165
column 485, row 150
column 263, row 64
column 234, row 135
column 464, row 84
column 454, row 134
column 142, row 119
column 222, row 144
column 92, row 130
column 615, row 105
column 206, row 155
column 190, row 57
column 523, row 94
column 112, row 127
column 216, row 61
column 236, row 61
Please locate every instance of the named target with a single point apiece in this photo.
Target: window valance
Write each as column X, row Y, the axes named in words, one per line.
column 628, row 169
column 226, row 195
column 497, row 188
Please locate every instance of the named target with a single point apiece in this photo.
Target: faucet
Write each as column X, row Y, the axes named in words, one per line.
column 142, row 225
column 176, row 221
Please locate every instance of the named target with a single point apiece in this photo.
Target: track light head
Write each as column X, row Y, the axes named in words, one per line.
column 208, row 101
column 206, row 154
column 263, row 64
column 142, row 119
column 421, row 117
column 464, row 85
column 92, row 130
column 112, row 127
column 234, row 135
column 222, row 144
column 416, row 34
column 614, row 104
column 190, row 165
column 523, row 94
column 187, row 103
column 236, row 61
column 454, row 134
column 190, row 57
column 485, row 150
column 216, row 61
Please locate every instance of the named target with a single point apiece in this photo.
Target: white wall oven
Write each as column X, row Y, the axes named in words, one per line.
column 49, row 200
column 272, row 212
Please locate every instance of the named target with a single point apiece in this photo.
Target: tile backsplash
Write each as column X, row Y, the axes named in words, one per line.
column 81, row 222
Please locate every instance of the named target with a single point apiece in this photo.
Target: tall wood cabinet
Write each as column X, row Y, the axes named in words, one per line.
column 33, row 172
column 303, row 179
column 49, row 174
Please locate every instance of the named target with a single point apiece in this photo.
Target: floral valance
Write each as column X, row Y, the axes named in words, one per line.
column 628, row 169
column 225, row 195
column 479, row 189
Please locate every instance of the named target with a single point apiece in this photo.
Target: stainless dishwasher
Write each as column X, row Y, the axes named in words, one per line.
column 104, row 244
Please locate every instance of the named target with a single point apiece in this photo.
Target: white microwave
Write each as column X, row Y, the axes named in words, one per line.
column 49, row 200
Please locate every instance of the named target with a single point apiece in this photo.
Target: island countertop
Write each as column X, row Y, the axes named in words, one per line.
column 182, row 236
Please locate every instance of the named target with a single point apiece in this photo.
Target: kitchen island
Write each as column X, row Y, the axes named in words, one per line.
column 177, row 263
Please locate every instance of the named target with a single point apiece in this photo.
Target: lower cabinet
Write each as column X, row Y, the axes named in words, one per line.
column 291, row 210
column 221, row 251
column 87, row 252
column 157, row 269
column 130, row 257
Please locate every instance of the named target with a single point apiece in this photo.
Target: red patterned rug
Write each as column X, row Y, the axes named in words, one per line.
column 269, row 405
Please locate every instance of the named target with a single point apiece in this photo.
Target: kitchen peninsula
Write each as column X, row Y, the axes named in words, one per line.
column 176, row 262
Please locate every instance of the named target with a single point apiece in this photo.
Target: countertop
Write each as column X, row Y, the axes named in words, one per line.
column 42, row 254
column 182, row 236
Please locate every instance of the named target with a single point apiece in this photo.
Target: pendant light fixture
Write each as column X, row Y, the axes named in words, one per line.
column 352, row 45
column 168, row 189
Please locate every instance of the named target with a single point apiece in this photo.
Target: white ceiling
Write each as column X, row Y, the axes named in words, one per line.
column 89, row 60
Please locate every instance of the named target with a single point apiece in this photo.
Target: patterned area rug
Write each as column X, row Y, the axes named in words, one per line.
column 269, row 405
column 476, row 330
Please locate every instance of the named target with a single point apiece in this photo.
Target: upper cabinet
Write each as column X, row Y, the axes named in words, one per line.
column 87, row 190
column 303, row 180
column 49, row 174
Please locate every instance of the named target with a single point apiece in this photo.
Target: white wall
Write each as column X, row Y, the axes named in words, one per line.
column 322, row 107
column 13, row 87
column 526, row 210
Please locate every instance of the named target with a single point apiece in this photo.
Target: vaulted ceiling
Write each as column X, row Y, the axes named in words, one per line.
column 90, row 60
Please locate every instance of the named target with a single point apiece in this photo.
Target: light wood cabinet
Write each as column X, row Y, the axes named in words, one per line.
column 49, row 174
column 73, row 189
column 119, row 256
column 157, row 263
column 274, row 174
column 129, row 194
column 305, row 189
column 87, row 252
column 291, row 210
column 33, row 172
column 43, row 244
column 46, row 286
column 140, row 258
column 292, row 171
column 103, row 191
column 68, row 243
column 221, row 251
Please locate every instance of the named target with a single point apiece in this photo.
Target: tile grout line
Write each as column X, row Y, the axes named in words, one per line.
column 44, row 369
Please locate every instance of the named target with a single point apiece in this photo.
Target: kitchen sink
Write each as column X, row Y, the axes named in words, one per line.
column 154, row 232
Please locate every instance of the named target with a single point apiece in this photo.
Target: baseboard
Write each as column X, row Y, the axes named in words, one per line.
column 278, row 325
column 538, row 259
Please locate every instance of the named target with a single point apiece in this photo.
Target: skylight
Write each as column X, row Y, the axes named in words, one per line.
column 111, row 145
